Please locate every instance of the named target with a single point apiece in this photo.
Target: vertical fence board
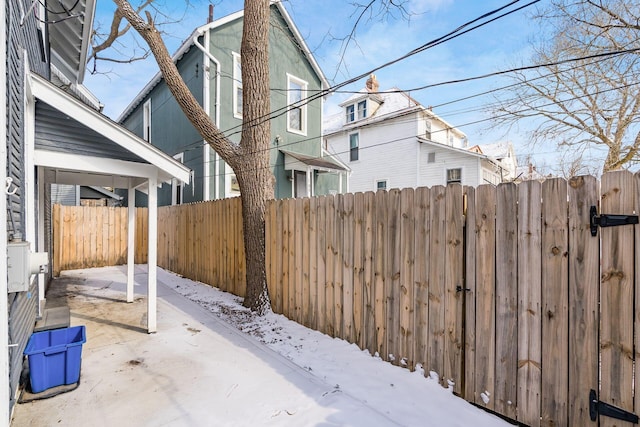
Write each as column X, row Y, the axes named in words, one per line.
column 330, row 212
column 379, row 274
column 392, row 285
column 468, row 389
column 368, row 326
column 338, row 269
column 349, row 241
column 529, row 302
column 298, row 257
column 421, row 290
column 554, row 303
column 305, row 313
column 270, row 250
column 506, row 301
column 584, row 281
column 616, row 290
column 284, row 256
column 321, row 315
column 437, row 247
column 485, row 296
column 454, row 275
column 407, row 277
column 359, row 234
column 313, row 263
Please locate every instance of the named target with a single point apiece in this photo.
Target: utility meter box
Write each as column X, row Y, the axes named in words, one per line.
column 21, row 264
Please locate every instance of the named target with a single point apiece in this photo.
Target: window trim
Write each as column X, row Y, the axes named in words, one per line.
column 146, row 120
column 350, row 113
column 355, row 149
column 453, row 181
column 177, row 187
column 237, row 84
column 302, row 106
column 363, row 110
column 378, row 181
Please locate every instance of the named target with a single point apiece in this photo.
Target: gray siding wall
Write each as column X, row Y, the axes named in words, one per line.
column 57, row 132
column 66, row 195
column 21, row 41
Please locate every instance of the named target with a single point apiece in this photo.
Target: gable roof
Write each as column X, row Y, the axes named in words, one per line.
column 393, row 103
column 190, row 42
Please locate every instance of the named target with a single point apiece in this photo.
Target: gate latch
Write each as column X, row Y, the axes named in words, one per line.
column 600, row 408
column 608, row 220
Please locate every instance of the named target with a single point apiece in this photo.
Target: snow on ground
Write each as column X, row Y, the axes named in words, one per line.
column 409, row 398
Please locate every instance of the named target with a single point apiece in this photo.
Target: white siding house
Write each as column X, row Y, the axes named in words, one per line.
column 389, row 140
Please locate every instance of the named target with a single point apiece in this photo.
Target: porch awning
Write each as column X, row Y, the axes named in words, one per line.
column 75, row 144
column 86, row 147
column 293, row 160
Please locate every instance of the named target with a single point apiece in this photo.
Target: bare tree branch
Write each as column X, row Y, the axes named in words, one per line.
column 596, row 104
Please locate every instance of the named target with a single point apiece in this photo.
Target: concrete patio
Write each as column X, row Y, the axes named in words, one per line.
column 178, row 376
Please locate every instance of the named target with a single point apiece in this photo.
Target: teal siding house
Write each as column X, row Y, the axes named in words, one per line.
column 209, row 61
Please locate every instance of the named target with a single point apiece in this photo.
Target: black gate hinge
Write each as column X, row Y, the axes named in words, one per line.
column 600, row 408
column 609, row 220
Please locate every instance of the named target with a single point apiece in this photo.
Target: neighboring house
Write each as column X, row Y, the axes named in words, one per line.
column 84, row 195
column 389, row 140
column 53, row 133
column 209, row 62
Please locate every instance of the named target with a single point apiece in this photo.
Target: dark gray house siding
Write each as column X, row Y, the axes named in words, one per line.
column 21, row 39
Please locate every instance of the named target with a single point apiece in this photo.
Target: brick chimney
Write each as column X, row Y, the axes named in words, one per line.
column 210, row 19
column 372, row 84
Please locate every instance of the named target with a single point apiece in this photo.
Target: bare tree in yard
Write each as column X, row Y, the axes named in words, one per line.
column 586, row 103
column 250, row 158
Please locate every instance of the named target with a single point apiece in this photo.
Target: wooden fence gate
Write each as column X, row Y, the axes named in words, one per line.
column 550, row 334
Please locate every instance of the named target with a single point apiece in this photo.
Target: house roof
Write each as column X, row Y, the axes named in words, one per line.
column 393, row 103
column 70, row 23
column 325, row 162
column 95, row 192
column 96, row 170
column 189, row 42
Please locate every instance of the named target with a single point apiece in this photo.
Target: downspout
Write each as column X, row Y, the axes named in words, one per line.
column 207, row 102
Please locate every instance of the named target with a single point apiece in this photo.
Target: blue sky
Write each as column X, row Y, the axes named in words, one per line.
column 496, row 46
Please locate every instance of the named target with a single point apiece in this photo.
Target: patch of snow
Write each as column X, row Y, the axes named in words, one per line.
column 486, row 397
column 408, row 398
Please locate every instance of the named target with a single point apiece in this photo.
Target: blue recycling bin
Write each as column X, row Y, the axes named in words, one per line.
column 55, row 357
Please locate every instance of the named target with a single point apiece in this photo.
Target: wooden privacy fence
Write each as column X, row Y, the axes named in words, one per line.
column 94, row 236
column 201, row 241
column 502, row 290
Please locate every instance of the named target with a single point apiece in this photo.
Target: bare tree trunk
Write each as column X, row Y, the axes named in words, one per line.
column 252, row 169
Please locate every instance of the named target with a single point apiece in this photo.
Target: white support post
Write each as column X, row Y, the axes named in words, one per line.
column 131, row 243
column 41, row 243
column 153, row 256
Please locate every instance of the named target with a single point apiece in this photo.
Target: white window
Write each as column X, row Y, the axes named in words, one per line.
column 297, row 114
column 237, row 86
column 177, row 187
column 454, row 176
column 146, row 121
column 427, row 133
column 354, row 146
column 351, row 116
column 362, row 109
column 381, row 184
